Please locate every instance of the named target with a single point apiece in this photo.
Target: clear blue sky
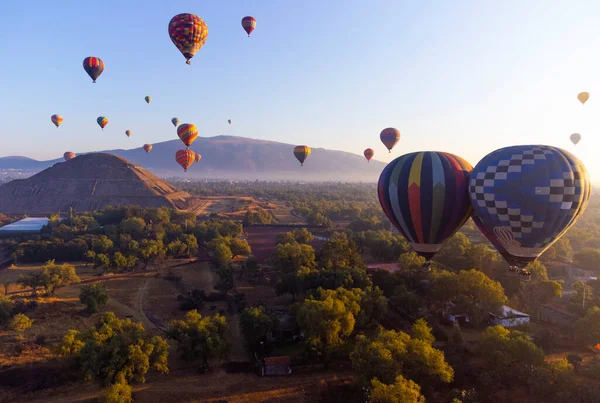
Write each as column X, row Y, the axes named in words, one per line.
column 460, row 76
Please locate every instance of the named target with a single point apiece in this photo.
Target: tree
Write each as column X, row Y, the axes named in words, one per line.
column 453, row 252
column 533, row 295
column 504, row 349
column 191, row 243
column 299, row 235
column 6, row 309
column 422, row 331
column 55, row 277
column 401, row 391
column 201, row 337
column 239, row 247
column 134, row 226
column 102, row 261
column 152, row 252
column 587, row 329
column 102, row 244
column 538, row 271
column 292, row 257
column 373, row 306
column 118, row 392
column 6, row 285
column 20, row 322
column 223, row 255
column 93, row 295
column 340, row 252
column 256, row 326
column 34, row 280
column 119, row 261
column 99, row 352
column 480, row 256
column 588, row 258
column 559, row 251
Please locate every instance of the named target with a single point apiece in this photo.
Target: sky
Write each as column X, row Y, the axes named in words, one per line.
column 466, row 77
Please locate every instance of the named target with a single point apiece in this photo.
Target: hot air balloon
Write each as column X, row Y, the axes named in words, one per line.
column 198, row 157
column 147, row 148
column 148, row 99
column 575, row 138
column 188, row 32
column 69, row 155
column 301, row 153
column 175, row 122
column 425, row 196
column 249, row 23
column 102, row 121
column 369, row 154
column 94, row 66
column 187, row 132
column 128, row 133
column 525, row 198
column 390, row 137
column 185, row 158
column 583, row 97
column 57, row 120
column 229, row 121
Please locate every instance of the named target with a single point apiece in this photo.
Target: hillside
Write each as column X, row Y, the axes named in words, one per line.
column 87, row 183
column 230, row 157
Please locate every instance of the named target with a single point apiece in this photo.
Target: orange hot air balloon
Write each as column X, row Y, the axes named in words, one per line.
column 301, row 153
column 188, row 32
column 187, row 132
column 185, row 158
column 583, row 97
column 69, row 155
column 369, row 154
column 128, row 133
column 198, row 157
column 147, row 147
column 57, row 120
column 390, row 137
column 249, row 23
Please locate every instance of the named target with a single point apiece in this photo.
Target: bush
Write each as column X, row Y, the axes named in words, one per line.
column 93, row 295
column 20, row 322
column 116, row 393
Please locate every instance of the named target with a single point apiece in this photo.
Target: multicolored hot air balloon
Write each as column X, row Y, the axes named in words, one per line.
column 148, row 99
column 369, row 153
column 175, row 122
column 575, row 138
column 390, row 137
column 94, row 66
column 102, row 121
column 147, row 148
column 583, row 97
column 229, row 121
column 249, row 23
column 188, row 32
column 187, row 132
column 185, row 158
column 128, row 133
column 525, row 198
column 301, row 153
column 425, row 196
column 57, row 120
column 198, row 157
column 69, row 155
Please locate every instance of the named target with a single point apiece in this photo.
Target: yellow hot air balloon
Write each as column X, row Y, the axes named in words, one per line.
column 301, row 153
column 575, row 138
column 148, row 99
column 128, row 133
column 583, row 97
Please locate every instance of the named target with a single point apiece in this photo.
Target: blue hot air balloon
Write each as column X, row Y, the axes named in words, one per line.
column 525, row 198
column 425, row 196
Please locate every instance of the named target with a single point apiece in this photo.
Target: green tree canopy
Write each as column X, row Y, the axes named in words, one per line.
column 256, row 326
column 401, row 391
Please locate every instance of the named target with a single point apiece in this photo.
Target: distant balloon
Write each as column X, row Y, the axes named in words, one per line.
column 369, row 154
column 69, row 155
column 575, row 138
column 94, row 66
column 128, row 133
column 175, row 122
column 425, row 196
column 583, row 97
column 249, row 23
column 185, row 158
column 147, row 147
column 187, row 132
column 148, row 99
column 301, row 153
column 57, row 120
column 102, row 121
column 198, row 157
column 526, row 197
column 229, row 121
column 390, row 137
column 188, row 32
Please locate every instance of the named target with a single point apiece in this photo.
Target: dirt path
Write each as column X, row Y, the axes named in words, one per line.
column 139, row 306
column 238, row 352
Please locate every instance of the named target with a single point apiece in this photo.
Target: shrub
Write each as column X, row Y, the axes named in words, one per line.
column 20, row 322
column 93, row 295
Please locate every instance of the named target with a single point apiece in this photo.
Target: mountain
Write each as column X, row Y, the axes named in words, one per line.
column 230, row 157
column 87, row 183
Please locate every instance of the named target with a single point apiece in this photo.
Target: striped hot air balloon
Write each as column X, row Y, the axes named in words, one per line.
column 128, row 133
column 69, row 155
column 147, row 148
column 369, row 153
column 102, row 121
column 390, row 137
column 94, row 66
column 185, row 158
column 175, row 122
column 187, row 132
column 198, row 157
column 188, row 32
column 57, row 120
column 425, row 196
column 301, row 153
column 249, row 23
column 148, row 99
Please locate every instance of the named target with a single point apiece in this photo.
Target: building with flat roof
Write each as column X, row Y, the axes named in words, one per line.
column 29, row 225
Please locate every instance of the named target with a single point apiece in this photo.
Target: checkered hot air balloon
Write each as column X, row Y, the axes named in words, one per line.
column 57, row 120
column 425, row 196
column 249, row 23
column 526, row 197
column 369, row 153
column 390, row 137
column 102, row 121
column 94, row 66
column 187, row 132
column 301, row 153
column 185, row 158
column 188, row 32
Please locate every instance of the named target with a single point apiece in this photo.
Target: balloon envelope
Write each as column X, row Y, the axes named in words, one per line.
column 390, row 137
column 147, row 147
column 102, row 121
column 301, row 153
column 187, row 132
column 128, row 133
column 575, row 138
column 185, row 158
column 526, row 197
column 56, row 119
column 148, row 99
column 249, row 23
column 425, row 196
column 69, row 155
column 175, row 122
column 229, row 121
column 198, row 157
column 583, row 97
column 188, row 33
column 94, row 66
column 369, row 153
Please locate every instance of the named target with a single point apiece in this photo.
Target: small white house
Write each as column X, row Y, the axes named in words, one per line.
column 509, row 317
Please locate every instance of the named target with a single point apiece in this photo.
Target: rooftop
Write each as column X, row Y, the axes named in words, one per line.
column 278, row 361
column 30, row 224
